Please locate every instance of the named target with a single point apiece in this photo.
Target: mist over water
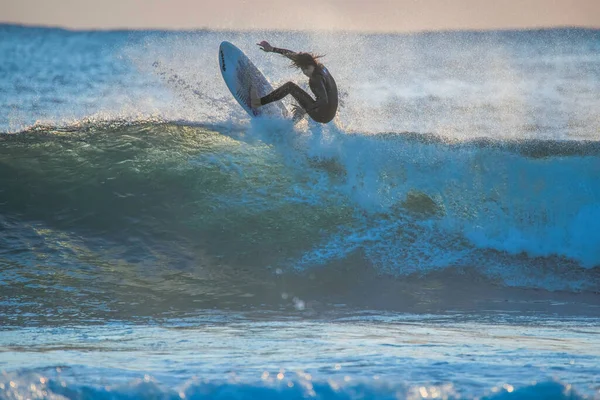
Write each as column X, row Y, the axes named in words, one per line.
column 534, row 84
column 457, row 191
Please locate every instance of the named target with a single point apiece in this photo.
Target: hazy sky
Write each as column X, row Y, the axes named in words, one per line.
column 364, row 15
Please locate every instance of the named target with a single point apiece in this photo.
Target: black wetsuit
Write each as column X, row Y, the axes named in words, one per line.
column 321, row 83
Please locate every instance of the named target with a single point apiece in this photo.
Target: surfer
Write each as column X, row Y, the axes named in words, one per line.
column 321, row 83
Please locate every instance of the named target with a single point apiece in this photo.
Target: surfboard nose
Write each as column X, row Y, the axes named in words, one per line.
column 225, row 48
column 227, row 45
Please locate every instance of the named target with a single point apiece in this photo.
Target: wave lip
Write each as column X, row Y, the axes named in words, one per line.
column 296, row 199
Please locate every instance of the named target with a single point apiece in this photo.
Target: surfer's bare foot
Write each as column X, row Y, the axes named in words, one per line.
column 254, row 99
column 298, row 112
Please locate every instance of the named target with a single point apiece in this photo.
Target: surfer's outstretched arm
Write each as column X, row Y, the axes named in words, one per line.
column 266, row 47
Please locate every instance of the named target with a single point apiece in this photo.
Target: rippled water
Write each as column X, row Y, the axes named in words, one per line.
column 439, row 240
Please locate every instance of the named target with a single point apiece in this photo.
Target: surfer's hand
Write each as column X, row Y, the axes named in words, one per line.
column 265, row 46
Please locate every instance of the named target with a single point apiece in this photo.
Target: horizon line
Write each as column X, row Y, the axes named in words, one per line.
column 341, row 31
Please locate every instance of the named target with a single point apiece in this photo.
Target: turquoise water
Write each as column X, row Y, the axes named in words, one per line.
column 438, row 240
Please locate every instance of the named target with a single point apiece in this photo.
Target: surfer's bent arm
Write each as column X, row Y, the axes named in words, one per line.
column 320, row 92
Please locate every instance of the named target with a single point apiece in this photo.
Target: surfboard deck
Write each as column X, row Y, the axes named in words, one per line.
column 241, row 75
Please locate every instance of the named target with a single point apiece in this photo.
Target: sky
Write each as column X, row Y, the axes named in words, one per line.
column 350, row 15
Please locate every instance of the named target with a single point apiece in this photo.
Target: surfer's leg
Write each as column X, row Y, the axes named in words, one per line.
column 303, row 98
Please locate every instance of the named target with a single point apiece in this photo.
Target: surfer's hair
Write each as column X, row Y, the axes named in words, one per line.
column 303, row 60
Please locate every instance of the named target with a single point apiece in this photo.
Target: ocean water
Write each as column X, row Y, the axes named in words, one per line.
column 439, row 239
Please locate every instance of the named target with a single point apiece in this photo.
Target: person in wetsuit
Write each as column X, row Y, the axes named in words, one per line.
column 322, row 84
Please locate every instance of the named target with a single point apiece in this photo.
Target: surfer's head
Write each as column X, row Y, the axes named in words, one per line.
column 306, row 62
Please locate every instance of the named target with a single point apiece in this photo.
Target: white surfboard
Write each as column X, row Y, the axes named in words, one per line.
column 240, row 76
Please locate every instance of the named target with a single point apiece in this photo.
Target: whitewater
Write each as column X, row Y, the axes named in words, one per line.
column 439, row 239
